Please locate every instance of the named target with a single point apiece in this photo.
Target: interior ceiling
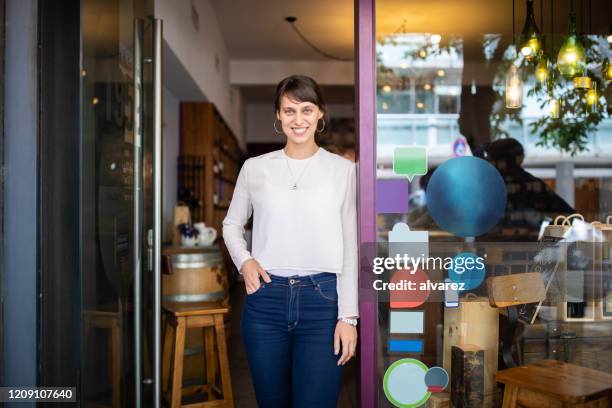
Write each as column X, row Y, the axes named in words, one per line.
column 257, row 30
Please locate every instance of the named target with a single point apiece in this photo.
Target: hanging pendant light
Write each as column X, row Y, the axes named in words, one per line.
column 530, row 36
column 591, row 98
column 514, row 88
column 607, row 70
column 542, row 70
column 571, row 59
column 514, row 83
column 582, row 82
column 554, row 105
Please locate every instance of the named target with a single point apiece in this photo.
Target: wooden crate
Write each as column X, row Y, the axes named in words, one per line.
column 474, row 322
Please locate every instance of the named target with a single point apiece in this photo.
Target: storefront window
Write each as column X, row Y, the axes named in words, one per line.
column 484, row 142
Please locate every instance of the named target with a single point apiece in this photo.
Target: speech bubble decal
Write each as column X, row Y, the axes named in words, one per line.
column 410, row 161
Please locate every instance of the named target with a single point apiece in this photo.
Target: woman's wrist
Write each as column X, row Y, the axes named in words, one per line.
column 349, row 320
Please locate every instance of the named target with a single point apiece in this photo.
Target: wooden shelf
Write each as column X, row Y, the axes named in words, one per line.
column 205, row 133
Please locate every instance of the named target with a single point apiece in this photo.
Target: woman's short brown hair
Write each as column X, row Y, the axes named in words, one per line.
column 300, row 88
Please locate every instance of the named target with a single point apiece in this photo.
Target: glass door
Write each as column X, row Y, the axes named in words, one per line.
column 120, row 203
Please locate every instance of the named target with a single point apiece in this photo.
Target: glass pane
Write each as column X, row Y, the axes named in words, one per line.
column 452, row 65
column 108, row 202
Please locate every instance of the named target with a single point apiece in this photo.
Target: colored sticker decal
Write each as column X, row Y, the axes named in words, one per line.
column 466, row 196
column 406, row 346
column 471, row 274
column 436, row 379
column 404, row 241
column 404, row 383
column 392, row 196
column 401, row 299
column 406, row 322
column 410, row 161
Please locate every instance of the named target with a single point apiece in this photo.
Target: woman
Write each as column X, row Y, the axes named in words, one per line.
column 299, row 318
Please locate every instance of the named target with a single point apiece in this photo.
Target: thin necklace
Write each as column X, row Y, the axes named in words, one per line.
column 294, row 186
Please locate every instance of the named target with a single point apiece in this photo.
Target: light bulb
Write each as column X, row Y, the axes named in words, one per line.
column 422, row 53
column 542, row 71
column 555, row 108
column 403, row 65
column 427, row 87
column 420, row 105
column 385, row 105
column 386, row 88
column 530, row 47
column 435, row 38
column 591, row 96
column 514, row 88
column 571, row 59
column 582, row 82
column 607, row 70
column 441, row 73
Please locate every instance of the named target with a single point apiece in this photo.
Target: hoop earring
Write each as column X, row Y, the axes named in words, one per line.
column 323, row 128
column 275, row 129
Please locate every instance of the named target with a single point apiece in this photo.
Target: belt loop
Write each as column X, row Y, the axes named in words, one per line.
column 314, row 282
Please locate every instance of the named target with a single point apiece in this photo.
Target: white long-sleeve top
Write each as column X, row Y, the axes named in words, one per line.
column 311, row 228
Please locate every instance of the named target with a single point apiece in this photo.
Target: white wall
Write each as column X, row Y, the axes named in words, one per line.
column 192, row 34
column 171, row 150
column 259, row 72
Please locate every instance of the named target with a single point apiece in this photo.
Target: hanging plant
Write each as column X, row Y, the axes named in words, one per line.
column 569, row 132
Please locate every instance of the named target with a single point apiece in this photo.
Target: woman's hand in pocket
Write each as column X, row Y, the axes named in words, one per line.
column 252, row 270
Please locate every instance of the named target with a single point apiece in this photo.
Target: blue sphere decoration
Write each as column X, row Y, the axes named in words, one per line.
column 466, row 196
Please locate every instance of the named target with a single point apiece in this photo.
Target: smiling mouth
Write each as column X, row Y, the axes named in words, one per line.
column 299, row 130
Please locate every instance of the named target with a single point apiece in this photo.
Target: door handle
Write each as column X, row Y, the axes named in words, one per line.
column 157, row 205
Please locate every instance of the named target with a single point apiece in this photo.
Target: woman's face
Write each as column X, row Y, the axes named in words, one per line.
column 299, row 119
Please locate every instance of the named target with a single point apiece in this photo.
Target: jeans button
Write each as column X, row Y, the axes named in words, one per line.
column 292, row 281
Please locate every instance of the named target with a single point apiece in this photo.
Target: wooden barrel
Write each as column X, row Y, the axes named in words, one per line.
column 195, row 275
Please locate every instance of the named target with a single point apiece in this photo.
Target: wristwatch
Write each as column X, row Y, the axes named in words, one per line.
column 349, row 320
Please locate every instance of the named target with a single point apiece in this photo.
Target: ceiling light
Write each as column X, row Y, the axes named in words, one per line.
column 514, row 88
column 95, row 100
column 530, row 47
column 386, row 88
column 571, row 59
column 420, row 105
column 427, row 87
column 542, row 70
column 555, row 107
column 591, row 97
column 582, row 82
column 607, row 70
column 441, row 73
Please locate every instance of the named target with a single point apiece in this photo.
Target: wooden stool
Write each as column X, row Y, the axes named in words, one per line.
column 546, row 383
column 209, row 316
column 552, row 383
column 97, row 319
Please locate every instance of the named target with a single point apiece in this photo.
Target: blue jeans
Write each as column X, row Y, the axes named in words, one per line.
column 288, row 331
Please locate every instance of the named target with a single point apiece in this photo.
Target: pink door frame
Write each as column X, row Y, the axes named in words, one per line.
column 365, row 100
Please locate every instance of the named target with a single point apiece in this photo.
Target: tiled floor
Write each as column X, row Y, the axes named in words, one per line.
column 244, row 395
